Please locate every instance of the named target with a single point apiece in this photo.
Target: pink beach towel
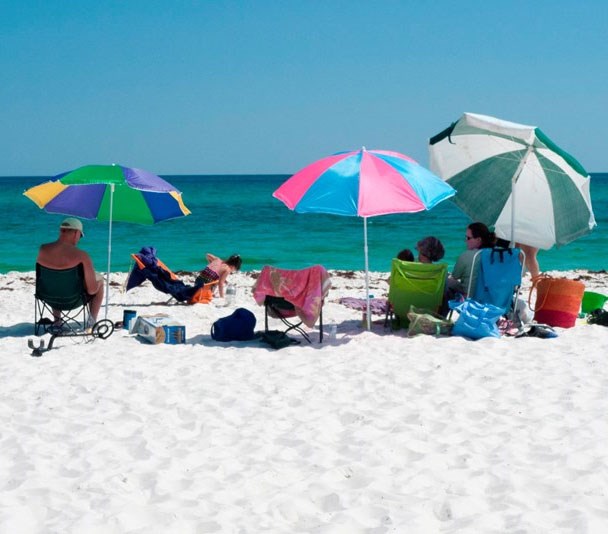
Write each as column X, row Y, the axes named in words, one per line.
column 304, row 288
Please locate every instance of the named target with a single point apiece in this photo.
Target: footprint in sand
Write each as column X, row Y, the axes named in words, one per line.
column 442, row 511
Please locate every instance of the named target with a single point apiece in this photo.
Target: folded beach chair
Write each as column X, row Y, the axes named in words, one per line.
column 148, row 267
column 64, row 291
column 293, row 296
column 421, row 285
column 499, row 275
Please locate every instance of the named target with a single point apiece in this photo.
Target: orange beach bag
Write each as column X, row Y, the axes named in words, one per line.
column 558, row 300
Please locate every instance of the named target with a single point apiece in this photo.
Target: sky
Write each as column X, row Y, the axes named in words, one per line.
column 267, row 87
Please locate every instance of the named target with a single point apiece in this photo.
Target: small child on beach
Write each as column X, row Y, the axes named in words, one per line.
column 405, row 255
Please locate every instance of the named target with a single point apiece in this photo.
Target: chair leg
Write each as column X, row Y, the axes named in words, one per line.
column 290, row 326
column 297, row 327
column 388, row 317
column 321, row 325
column 36, row 320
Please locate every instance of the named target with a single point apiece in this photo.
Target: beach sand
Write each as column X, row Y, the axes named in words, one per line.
column 372, row 432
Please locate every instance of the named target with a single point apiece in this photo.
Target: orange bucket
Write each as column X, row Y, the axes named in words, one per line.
column 558, row 300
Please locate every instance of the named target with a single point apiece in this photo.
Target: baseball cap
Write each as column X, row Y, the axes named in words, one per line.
column 72, row 223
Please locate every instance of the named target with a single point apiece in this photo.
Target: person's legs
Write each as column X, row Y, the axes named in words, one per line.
column 530, row 260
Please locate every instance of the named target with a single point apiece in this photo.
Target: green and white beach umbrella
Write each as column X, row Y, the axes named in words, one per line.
column 514, row 178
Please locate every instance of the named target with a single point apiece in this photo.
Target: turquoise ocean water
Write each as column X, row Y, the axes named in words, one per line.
column 237, row 214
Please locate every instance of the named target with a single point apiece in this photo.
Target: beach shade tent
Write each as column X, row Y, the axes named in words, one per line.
column 110, row 193
column 363, row 183
column 513, row 177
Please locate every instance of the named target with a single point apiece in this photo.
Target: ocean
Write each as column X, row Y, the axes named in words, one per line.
column 238, row 214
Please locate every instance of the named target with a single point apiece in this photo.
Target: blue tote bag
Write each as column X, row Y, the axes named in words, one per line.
column 476, row 320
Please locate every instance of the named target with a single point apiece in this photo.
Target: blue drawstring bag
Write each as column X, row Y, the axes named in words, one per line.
column 238, row 326
column 475, row 320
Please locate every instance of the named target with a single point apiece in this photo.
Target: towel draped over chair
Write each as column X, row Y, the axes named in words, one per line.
column 304, row 288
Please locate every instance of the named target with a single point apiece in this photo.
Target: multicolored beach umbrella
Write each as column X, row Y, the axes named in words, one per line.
column 363, row 183
column 110, row 193
column 513, row 177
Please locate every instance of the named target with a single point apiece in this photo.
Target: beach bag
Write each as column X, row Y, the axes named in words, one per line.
column 476, row 320
column 558, row 300
column 238, row 326
column 426, row 322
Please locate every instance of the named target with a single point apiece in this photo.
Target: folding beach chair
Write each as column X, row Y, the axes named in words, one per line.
column 421, row 285
column 61, row 291
column 61, row 307
column 148, row 267
column 499, row 275
column 295, row 297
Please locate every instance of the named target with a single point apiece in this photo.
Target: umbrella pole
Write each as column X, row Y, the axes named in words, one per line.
column 368, row 314
column 109, row 250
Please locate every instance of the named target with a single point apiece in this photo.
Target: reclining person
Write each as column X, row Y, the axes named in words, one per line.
column 149, row 267
column 63, row 254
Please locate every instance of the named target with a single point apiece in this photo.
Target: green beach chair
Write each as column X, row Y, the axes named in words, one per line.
column 62, row 307
column 420, row 285
column 61, row 291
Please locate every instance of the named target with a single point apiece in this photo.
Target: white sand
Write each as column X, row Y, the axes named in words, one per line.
column 374, row 432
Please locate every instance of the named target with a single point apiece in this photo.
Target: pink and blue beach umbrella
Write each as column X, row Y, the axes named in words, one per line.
column 364, row 183
column 110, row 193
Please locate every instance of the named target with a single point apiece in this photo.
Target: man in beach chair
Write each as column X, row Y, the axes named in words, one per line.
column 64, row 254
column 499, row 275
column 421, row 285
column 293, row 296
column 149, row 267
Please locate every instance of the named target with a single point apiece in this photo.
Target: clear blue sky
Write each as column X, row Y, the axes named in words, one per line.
column 179, row 87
